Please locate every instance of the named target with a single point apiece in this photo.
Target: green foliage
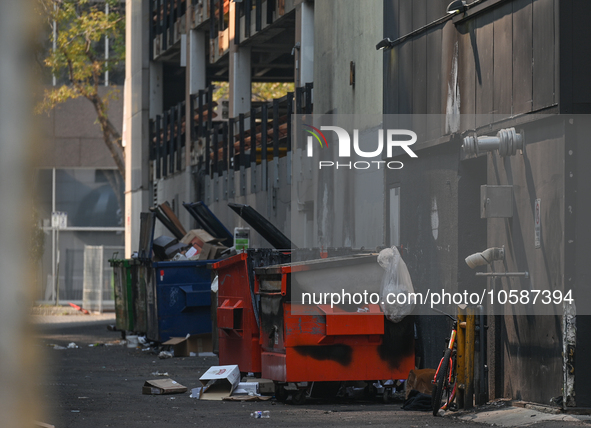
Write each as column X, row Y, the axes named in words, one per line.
column 78, row 29
column 261, row 91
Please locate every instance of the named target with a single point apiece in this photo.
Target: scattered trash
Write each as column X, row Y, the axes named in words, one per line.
column 247, row 388
column 192, row 354
column 78, row 308
column 142, row 340
column 162, row 386
column 58, row 347
column 265, row 414
column 112, row 327
column 172, row 398
column 219, row 382
column 247, row 398
column 72, row 345
column 132, row 341
column 159, row 374
column 185, row 346
column 196, row 393
column 165, row 354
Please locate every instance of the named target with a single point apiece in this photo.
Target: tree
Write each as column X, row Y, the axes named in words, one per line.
column 78, row 31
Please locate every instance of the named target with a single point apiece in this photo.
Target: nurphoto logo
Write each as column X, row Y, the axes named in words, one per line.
column 344, row 147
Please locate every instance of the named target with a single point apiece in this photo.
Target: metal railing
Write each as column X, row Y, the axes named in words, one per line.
column 167, row 140
column 254, row 138
column 165, row 14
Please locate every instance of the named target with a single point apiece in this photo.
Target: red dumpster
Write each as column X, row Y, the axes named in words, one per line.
column 237, row 310
column 315, row 343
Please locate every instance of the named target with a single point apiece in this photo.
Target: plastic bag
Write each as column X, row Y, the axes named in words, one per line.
column 396, row 280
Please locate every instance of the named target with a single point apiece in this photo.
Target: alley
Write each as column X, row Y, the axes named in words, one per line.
column 100, row 386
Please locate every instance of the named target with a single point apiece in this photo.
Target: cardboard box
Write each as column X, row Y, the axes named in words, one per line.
column 219, row 382
column 266, row 386
column 247, row 388
column 211, row 252
column 198, row 237
column 162, row 387
column 184, row 346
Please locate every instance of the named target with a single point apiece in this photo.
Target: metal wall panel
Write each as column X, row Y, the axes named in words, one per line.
column 522, row 56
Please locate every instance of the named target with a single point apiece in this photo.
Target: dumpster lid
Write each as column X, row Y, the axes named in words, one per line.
column 209, row 222
column 263, row 226
column 147, row 223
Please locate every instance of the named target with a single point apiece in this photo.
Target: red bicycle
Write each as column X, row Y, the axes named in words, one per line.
column 444, row 381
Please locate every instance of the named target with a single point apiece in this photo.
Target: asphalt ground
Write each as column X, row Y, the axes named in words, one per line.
column 101, row 386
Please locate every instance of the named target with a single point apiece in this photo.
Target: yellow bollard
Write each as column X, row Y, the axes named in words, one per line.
column 460, row 359
column 469, row 359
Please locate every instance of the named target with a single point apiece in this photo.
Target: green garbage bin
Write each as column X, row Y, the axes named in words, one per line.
column 122, row 286
column 141, row 274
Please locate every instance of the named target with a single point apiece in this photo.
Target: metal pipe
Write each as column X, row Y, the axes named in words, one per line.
column 524, row 274
column 507, row 142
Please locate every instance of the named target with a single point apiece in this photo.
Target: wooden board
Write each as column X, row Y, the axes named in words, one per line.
column 522, row 56
column 543, row 54
column 503, row 61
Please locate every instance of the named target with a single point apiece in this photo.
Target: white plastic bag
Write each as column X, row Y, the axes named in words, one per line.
column 396, row 283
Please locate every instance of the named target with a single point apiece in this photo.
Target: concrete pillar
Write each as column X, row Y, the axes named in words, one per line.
column 135, row 122
column 156, row 99
column 240, row 73
column 197, row 61
column 304, row 56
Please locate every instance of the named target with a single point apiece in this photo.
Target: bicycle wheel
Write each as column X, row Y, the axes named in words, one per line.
column 441, row 382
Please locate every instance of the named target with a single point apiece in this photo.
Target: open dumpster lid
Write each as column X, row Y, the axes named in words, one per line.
column 147, row 223
column 263, row 226
column 209, row 222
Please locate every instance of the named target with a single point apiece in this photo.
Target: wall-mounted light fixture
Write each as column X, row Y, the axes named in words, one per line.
column 507, row 142
column 486, row 257
column 384, row 44
column 456, row 6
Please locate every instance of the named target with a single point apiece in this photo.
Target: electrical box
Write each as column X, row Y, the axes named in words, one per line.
column 496, row 201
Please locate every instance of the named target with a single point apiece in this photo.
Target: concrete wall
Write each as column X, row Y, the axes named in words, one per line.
column 72, row 136
column 136, row 110
column 345, row 31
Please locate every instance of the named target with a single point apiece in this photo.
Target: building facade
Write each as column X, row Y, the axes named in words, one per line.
column 494, row 66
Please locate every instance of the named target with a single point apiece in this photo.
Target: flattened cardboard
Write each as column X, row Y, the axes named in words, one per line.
column 247, row 398
column 198, row 237
column 197, row 343
column 219, row 382
column 163, row 387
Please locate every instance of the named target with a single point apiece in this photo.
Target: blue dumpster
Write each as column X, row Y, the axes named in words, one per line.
column 179, row 299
